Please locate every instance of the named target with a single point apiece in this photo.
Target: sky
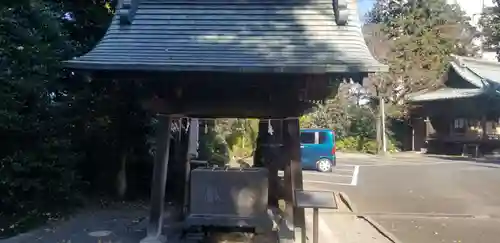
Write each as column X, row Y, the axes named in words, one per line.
column 364, row 6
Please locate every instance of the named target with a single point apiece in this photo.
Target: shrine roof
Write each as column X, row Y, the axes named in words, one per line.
column 271, row 36
column 482, row 76
column 445, row 94
column 477, row 72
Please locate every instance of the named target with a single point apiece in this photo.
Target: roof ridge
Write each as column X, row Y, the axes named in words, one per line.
column 459, row 64
column 445, row 93
column 460, row 60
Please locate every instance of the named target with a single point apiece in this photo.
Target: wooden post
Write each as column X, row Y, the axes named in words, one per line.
column 267, row 155
column 192, row 153
column 156, row 216
column 176, row 175
column 184, row 169
column 484, row 134
column 261, row 139
column 294, row 171
column 275, row 161
column 287, row 175
column 170, row 188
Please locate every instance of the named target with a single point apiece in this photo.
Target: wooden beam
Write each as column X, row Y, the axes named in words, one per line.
column 229, row 108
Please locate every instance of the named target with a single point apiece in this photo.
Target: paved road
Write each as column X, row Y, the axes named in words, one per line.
column 421, row 199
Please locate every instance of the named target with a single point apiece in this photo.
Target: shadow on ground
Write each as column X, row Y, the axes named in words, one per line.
column 120, row 223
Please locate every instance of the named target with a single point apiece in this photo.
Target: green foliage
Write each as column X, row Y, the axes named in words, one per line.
column 421, row 36
column 109, row 122
column 333, row 115
column 348, row 144
column 38, row 157
column 362, row 144
column 346, row 119
column 239, row 134
column 61, row 133
column 213, row 146
column 490, row 23
column 363, row 122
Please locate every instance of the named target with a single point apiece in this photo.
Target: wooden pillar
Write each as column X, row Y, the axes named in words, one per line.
column 294, row 173
column 484, row 134
column 175, row 141
column 268, row 154
column 261, row 140
column 156, row 215
column 183, row 169
column 192, row 153
column 274, row 161
column 176, row 175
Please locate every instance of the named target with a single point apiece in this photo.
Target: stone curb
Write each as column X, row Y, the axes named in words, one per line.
column 391, row 237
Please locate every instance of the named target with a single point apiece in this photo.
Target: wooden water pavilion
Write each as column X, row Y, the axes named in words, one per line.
column 464, row 116
column 266, row 59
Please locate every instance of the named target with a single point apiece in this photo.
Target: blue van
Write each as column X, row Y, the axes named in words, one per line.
column 318, row 149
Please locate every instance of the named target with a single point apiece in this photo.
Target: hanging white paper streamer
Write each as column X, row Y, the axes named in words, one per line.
column 269, row 128
column 188, row 124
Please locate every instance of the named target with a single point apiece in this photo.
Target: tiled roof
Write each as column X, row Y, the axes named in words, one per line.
column 444, row 94
column 291, row 36
column 476, row 71
column 485, row 75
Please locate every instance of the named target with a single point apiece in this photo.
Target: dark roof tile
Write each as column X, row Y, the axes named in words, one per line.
column 295, row 36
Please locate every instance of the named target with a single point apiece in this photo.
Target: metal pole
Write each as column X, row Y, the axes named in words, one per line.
column 412, row 138
column 315, row 224
column 382, row 115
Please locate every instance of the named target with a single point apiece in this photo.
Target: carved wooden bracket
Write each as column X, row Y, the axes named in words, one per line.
column 341, row 11
column 127, row 11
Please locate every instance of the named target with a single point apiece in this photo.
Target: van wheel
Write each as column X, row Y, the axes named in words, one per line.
column 324, row 165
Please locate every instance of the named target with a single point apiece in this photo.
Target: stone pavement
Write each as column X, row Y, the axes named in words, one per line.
column 425, row 198
column 415, row 157
column 338, row 226
column 125, row 223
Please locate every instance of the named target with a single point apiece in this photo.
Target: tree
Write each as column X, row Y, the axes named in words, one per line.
column 490, row 24
column 415, row 38
column 418, row 38
column 37, row 157
column 58, row 129
column 333, row 115
column 239, row 134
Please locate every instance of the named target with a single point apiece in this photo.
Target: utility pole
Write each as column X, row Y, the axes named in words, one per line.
column 382, row 117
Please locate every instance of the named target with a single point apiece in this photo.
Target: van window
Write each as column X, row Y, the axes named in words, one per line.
column 307, row 137
column 323, row 138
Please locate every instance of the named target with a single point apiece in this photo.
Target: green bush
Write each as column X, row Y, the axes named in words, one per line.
column 370, row 147
column 347, row 144
column 361, row 144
